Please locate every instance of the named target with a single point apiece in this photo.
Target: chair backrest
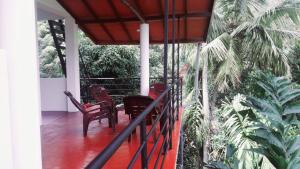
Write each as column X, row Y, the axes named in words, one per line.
column 99, row 93
column 135, row 105
column 75, row 102
column 156, row 89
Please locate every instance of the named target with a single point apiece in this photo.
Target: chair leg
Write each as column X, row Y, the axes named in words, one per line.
column 111, row 121
column 86, row 123
column 154, row 131
column 116, row 116
column 129, row 137
column 154, row 135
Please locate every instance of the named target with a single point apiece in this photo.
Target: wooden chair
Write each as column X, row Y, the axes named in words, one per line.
column 155, row 91
column 158, row 88
column 135, row 105
column 93, row 112
column 100, row 94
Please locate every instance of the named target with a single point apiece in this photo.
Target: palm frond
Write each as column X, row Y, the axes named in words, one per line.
column 229, row 71
column 279, row 12
column 218, row 48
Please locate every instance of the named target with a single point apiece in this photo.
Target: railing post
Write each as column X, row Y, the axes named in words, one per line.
column 177, row 98
column 170, row 122
column 173, row 62
column 144, row 140
column 178, row 64
column 180, row 91
column 173, row 105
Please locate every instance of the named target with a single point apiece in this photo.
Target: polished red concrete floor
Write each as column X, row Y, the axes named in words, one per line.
column 64, row 147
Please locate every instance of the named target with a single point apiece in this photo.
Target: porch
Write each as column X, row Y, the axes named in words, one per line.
column 60, row 143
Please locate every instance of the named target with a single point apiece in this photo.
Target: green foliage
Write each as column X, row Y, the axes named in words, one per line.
column 195, row 130
column 108, row 61
column 237, row 118
column 100, row 61
column 249, row 34
column 294, row 57
column 229, row 162
column 264, row 128
column 275, row 121
column 155, row 60
column 246, row 35
column 49, row 62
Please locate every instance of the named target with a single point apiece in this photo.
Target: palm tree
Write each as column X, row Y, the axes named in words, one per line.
column 246, row 34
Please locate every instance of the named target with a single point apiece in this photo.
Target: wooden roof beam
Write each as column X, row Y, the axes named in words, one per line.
column 119, row 18
column 139, row 7
column 134, row 10
column 89, row 8
column 148, row 18
column 87, row 32
column 185, row 19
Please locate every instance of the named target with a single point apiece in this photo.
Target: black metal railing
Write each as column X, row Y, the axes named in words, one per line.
column 118, row 88
column 165, row 119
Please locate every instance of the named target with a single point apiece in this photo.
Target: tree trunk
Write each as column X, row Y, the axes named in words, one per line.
column 213, row 118
column 206, row 111
column 197, row 67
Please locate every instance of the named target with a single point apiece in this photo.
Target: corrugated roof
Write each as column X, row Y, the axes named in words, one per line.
column 112, row 22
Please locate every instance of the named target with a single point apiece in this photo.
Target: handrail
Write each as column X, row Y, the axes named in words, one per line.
column 167, row 119
column 103, row 157
column 117, row 87
column 122, row 78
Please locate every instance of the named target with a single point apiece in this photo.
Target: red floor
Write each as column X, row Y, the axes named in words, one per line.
column 64, row 147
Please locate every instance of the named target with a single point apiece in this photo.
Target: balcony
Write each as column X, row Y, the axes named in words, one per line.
column 123, row 22
column 63, row 145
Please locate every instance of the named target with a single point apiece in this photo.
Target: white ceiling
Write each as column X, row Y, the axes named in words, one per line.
column 49, row 9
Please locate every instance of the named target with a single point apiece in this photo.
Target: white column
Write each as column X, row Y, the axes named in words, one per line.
column 5, row 121
column 18, row 39
column 144, row 60
column 72, row 61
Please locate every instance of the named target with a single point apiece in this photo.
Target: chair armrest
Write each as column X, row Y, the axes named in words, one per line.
column 103, row 104
column 98, row 107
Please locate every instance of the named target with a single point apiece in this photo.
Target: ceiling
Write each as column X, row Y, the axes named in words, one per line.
column 112, row 22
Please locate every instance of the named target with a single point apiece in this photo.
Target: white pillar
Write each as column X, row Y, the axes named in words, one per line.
column 5, row 120
column 18, row 39
column 72, row 61
column 144, row 60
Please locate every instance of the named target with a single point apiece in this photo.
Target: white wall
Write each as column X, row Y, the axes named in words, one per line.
column 52, row 7
column 5, row 120
column 18, row 40
column 52, row 94
column 46, row 15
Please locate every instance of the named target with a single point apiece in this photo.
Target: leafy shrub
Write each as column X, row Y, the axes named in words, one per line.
column 195, row 130
column 266, row 128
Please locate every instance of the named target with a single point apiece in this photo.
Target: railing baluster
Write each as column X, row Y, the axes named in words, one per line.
column 177, row 98
column 144, row 140
column 181, row 91
column 170, row 122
